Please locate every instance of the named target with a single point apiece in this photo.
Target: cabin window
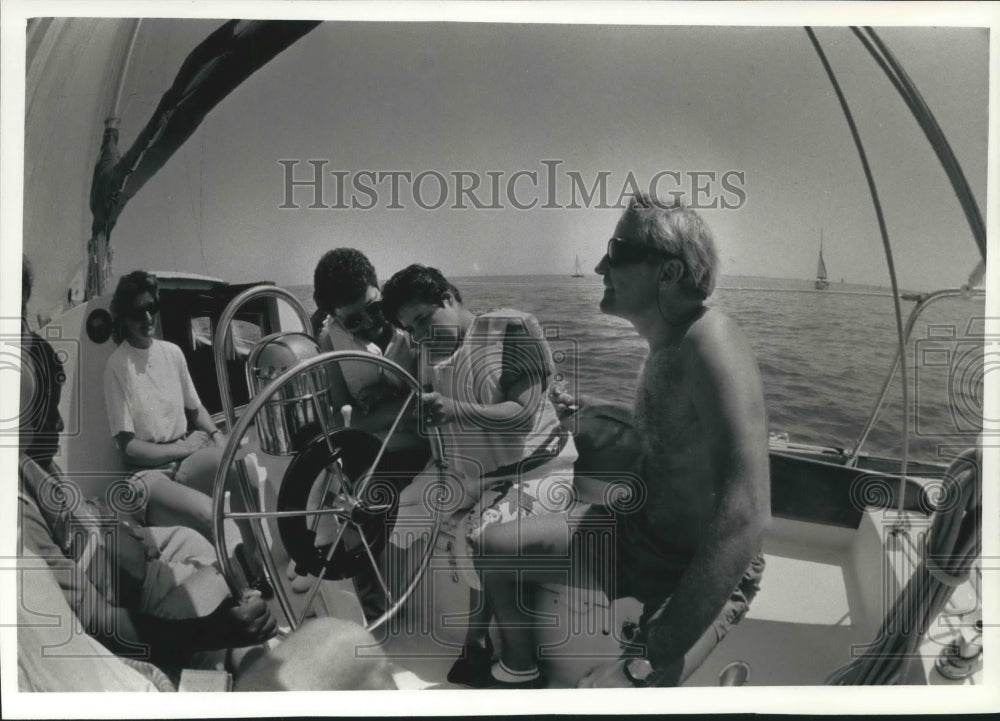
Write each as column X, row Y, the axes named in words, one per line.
column 246, row 331
column 190, row 319
column 202, row 333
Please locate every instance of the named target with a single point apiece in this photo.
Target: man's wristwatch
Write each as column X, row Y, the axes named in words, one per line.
column 214, row 433
column 638, row 671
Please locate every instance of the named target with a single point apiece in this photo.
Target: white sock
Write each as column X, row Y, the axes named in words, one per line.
column 502, row 673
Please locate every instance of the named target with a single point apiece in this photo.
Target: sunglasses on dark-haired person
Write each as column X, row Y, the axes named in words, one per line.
column 369, row 314
column 138, row 313
column 624, row 252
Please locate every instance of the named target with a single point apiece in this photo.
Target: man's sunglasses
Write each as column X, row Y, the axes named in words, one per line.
column 371, row 312
column 624, row 252
column 138, row 313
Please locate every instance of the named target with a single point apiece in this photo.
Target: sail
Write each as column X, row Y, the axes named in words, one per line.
column 213, row 69
column 577, row 271
column 821, row 267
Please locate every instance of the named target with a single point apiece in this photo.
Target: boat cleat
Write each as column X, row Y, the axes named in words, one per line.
column 964, row 655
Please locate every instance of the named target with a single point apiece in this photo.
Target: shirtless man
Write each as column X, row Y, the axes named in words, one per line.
column 691, row 553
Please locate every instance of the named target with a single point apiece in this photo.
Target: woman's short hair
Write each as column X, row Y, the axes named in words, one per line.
column 676, row 229
column 416, row 284
column 129, row 288
column 341, row 277
column 27, row 279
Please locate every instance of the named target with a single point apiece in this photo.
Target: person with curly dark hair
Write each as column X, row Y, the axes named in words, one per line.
column 346, row 291
column 349, row 317
column 341, row 277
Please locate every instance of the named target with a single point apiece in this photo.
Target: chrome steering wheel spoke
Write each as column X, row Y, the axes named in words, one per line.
column 342, row 463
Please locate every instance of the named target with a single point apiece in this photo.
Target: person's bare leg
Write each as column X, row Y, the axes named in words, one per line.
column 325, row 654
column 516, row 556
column 173, row 504
column 198, row 471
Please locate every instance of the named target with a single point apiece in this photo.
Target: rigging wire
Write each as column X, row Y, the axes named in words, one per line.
column 939, row 143
column 115, row 111
column 883, row 231
column 928, row 123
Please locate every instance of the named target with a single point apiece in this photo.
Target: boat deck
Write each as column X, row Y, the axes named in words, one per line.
column 811, row 609
column 824, row 593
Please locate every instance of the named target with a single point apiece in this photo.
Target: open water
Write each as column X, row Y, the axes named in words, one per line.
column 823, row 355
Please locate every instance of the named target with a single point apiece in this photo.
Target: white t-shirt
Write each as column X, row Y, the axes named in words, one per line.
column 146, row 391
column 359, row 375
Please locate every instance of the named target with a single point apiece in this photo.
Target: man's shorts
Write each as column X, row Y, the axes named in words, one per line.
column 626, row 560
column 184, row 581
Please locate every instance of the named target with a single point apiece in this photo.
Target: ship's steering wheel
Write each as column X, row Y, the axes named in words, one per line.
column 334, row 502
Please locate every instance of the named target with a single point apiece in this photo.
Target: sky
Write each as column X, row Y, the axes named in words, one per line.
column 742, row 117
column 614, row 97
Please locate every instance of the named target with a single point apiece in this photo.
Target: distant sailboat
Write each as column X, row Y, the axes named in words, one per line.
column 821, row 282
column 577, row 272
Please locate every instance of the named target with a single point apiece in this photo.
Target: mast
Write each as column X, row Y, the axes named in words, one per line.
column 216, row 67
column 99, row 252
